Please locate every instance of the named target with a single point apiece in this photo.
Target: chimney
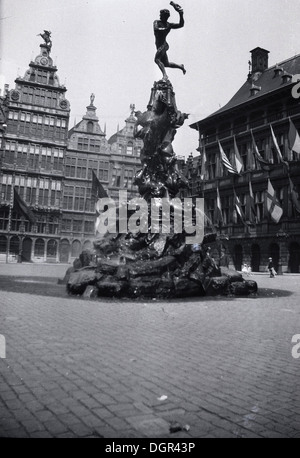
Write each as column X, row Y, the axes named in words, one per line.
column 259, row 60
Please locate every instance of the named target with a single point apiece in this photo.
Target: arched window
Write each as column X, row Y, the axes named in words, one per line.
column 64, row 250
column 238, row 257
column 51, row 248
column 255, row 258
column 76, row 249
column 39, row 247
column 274, row 253
column 87, row 245
column 14, row 245
column 3, row 244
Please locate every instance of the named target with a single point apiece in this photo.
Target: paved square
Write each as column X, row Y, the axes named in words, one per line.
column 98, row 368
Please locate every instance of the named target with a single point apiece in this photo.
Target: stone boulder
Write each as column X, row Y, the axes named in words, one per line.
column 80, row 279
column 110, row 286
column 217, row 286
column 244, row 288
column 231, row 274
column 152, row 267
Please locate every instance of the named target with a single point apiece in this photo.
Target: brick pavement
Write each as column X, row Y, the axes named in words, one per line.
column 87, row 368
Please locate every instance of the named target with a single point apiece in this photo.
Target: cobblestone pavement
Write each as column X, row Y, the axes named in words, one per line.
column 86, row 368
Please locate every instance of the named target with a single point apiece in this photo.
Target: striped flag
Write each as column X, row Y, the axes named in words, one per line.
column 251, row 202
column 219, row 216
column 280, row 158
column 264, row 165
column 226, row 162
column 293, row 138
column 294, row 196
column 237, row 158
column 273, row 205
column 203, row 164
column 238, row 207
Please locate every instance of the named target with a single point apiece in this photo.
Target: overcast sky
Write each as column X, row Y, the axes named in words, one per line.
column 107, row 47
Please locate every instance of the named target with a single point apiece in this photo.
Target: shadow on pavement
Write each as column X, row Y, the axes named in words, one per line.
column 44, row 286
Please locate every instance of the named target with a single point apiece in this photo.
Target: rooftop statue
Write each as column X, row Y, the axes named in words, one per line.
column 46, row 37
column 161, row 29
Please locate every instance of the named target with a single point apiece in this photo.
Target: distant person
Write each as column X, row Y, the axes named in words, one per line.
column 271, row 268
column 245, row 269
column 161, row 29
column 224, row 259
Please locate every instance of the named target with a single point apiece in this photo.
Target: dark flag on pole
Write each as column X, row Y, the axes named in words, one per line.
column 97, row 189
column 262, row 163
column 20, row 206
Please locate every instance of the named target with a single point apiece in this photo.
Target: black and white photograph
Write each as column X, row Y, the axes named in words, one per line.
column 150, row 222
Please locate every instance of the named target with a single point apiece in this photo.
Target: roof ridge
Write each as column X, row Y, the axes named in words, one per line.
column 283, row 62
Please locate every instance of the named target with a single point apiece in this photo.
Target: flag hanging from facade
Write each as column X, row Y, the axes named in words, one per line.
column 203, row 165
column 238, row 207
column 251, row 203
column 273, row 205
column 294, row 196
column 237, row 158
column 19, row 206
column 264, row 165
column 293, row 138
column 225, row 161
column 279, row 155
column 219, row 216
column 97, row 189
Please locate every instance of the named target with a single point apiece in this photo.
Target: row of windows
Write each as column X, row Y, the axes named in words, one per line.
column 35, row 118
column 52, row 129
column 77, row 198
column 39, row 96
column 40, row 247
column 46, row 224
column 88, row 144
column 128, row 149
column 41, row 76
column 41, row 183
column 77, row 167
column 42, row 191
column 77, row 225
column 33, row 156
column 127, row 178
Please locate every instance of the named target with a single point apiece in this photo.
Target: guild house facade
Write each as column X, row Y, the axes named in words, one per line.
column 46, row 210
column 248, row 170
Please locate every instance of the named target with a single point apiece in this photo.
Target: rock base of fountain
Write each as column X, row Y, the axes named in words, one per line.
column 159, row 266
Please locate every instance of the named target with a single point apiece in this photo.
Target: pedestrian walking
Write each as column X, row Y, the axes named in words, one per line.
column 271, row 268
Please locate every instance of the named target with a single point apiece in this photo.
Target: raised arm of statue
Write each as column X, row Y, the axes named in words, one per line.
column 179, row 10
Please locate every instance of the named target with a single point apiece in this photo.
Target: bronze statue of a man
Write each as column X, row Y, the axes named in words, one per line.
column 161, row 29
